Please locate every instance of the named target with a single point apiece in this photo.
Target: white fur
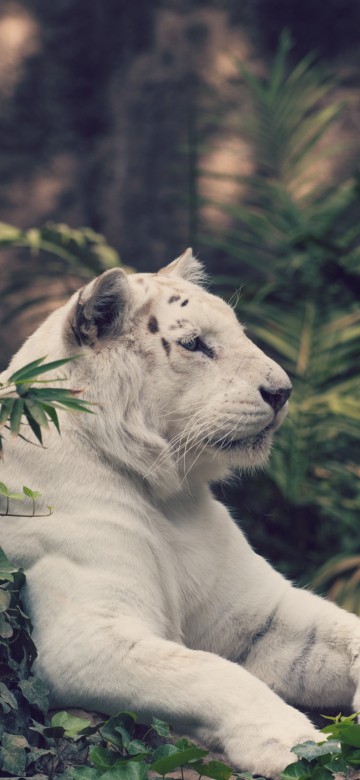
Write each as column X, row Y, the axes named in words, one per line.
column 143, row 592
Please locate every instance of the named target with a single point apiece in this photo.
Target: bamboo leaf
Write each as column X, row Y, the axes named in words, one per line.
column 15, row 416
column 35, row 427
column 37, row 413
column 30, row 372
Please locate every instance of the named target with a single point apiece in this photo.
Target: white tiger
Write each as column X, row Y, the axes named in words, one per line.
column 143, row 592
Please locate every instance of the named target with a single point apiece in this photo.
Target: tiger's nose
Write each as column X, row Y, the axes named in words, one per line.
column 277, row 397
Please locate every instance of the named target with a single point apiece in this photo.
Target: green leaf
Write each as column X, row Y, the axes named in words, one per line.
column 311, row 750
column 36, row 693
column 12, row 753
column 353, row 758
column 16, row 415
column 161, row 728
column 5, row 598
column 118, row 728
column 7, row 697
column 300, row 770
column 128, row 770
column 321, row 773
column 52, row 414
column 37, row 413
column 16, row 496
column 184, row 743
column 180, row 758
column 215, row 769
column 136, row 746
column 164, row 750
column 6, row 630
column 5, row 410
column 32, row 370
column 35, row 427
column 4, row 490
column 73, row 404
column 125, row 736
column 348, row 734
column 52, row 732
column 7, row 569
column 83, row 773
column 29, row 367
column 337, row 765
column 31, row 493
column 102, row 758
column 71, row 724
column 37, row 753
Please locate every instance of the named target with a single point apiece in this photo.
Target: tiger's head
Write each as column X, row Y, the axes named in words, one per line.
column 182, row 394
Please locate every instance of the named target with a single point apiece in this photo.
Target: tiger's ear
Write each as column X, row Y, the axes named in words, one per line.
column 186, row 267
column 101, row 307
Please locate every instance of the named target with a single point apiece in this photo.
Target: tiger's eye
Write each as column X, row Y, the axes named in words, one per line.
column 191, row 345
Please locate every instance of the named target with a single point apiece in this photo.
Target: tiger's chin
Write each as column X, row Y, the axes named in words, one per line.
column 249, row 453
column 218, row 463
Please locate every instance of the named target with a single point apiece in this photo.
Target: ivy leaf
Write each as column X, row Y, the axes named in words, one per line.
column 102, row 758
column 35, row 692
column 12, row 753
column 125, row 736
column 348, row 733
column 311, row 750
column 337, row 765
column 117, row 729
column 184, row 743
column 71, row 724
column 84, row 773
column 320, row 773
column 353, row 758
column 180, row 758
column 300, row 770
column 129, row 770
column 37, row 753
column 215, row 769
column 5, row 598
column 161, row 728
column 6, row 631
column 135, row 747
column 7, row 697
column 163, row 751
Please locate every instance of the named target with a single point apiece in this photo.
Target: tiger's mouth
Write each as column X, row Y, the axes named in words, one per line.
column 254, row 441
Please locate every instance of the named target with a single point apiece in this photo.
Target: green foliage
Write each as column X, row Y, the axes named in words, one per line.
column 336, row 756
column 50, row 253
column 31, row 741
column 21, row 397
column 81, row 248
column 70, row 747
column 298, row 241
column 340, row 579
column 23, row 697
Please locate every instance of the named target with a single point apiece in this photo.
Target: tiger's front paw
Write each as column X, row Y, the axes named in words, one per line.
column 267, row 751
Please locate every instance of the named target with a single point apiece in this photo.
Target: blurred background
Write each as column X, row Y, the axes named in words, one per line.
column 231, row 126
